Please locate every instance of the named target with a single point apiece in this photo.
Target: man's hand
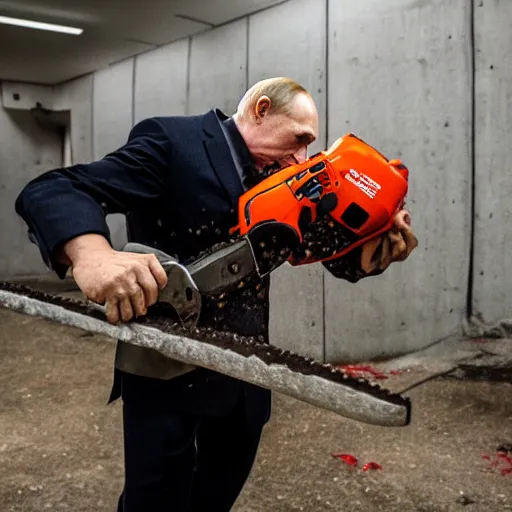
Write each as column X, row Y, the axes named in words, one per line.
column 126, row 283
column 395, row 245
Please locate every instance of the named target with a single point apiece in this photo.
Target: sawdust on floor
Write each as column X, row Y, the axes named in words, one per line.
column 61, row 446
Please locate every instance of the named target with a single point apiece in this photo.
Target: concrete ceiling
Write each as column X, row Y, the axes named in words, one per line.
column 113, row 30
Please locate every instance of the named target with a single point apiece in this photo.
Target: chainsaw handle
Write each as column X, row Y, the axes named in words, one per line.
column 181, row 291
column 138, row 248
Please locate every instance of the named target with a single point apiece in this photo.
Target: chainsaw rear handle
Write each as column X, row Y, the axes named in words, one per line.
column 181, row 291
column 138, row 248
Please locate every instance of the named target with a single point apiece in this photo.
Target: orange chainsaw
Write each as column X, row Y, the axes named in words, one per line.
column 316, row 211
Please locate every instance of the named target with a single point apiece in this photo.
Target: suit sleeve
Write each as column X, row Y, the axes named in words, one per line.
column 62, row 204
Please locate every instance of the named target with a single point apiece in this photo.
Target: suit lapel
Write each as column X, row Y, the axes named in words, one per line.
column 220, row 157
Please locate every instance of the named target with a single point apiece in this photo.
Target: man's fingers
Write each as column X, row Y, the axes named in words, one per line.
column 370, row 255
column 410, row 238
column 112, row 311
column 123, row 305
column 137, row 301
column 386, row 253
column 402, row 219
column 149, row 286
column 395, row 245
column 158, row 271
column 399, row 247
column 126, row 283
column 125, row 309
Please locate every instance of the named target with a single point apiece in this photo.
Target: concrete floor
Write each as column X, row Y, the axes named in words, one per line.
column 61, row 446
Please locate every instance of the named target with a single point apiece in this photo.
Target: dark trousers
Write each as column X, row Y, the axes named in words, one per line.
column 189, row 443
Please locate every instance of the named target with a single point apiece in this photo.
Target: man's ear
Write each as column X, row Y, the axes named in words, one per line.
column 262, row 107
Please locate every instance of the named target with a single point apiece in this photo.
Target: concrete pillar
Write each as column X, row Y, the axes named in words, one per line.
column 290, row 40
column 112, row 121
column 399, row 77
column 492, row 277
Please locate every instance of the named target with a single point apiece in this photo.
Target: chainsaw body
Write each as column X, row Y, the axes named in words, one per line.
column 323, row 208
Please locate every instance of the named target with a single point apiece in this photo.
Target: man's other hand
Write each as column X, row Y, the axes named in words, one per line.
column 395, row 245
column 126, row 283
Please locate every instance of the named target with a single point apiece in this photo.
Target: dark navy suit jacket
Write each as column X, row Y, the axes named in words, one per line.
column 178, row 166
column 174, row 179
column 176, row 182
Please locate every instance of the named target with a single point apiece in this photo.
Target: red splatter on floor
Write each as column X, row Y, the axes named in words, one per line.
column 345, row 457
column 367, row 371
column 371, row 465
column 501, row 461
column 352, row 461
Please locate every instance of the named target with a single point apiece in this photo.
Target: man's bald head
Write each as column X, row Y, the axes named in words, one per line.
column 278, row 119
column 281, row 91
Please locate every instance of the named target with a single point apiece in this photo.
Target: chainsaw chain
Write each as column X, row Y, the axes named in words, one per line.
column 214, row 248
column 246, row 346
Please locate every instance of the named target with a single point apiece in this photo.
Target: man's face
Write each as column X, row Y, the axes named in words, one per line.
column 278, row 140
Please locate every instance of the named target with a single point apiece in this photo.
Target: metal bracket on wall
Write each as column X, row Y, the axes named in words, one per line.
column 39, row 100
column 21, row 96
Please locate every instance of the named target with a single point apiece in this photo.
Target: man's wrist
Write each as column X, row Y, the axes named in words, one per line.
column 77, row 248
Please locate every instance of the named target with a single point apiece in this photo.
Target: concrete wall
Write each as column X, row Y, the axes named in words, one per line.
column 76, row 97
column 112, row 107
column 297, row 323
column 399, row 74
column 399, row 77
column 160, row 81
column 492, row 276
column 209, row 86
column 27, row 149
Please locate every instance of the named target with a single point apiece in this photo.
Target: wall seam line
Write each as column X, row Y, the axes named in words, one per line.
column 326, row 88
column 134, row 72
column 93, row 91
column 187, row 85
column 247, row 53
column 472, row 207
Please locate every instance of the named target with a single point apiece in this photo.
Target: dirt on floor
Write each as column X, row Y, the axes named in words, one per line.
column 61, row 445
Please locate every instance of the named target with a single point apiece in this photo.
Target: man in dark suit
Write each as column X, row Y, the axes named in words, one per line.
column 190, row 435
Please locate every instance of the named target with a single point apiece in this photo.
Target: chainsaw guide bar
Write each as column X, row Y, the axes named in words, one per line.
column 244, row 358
